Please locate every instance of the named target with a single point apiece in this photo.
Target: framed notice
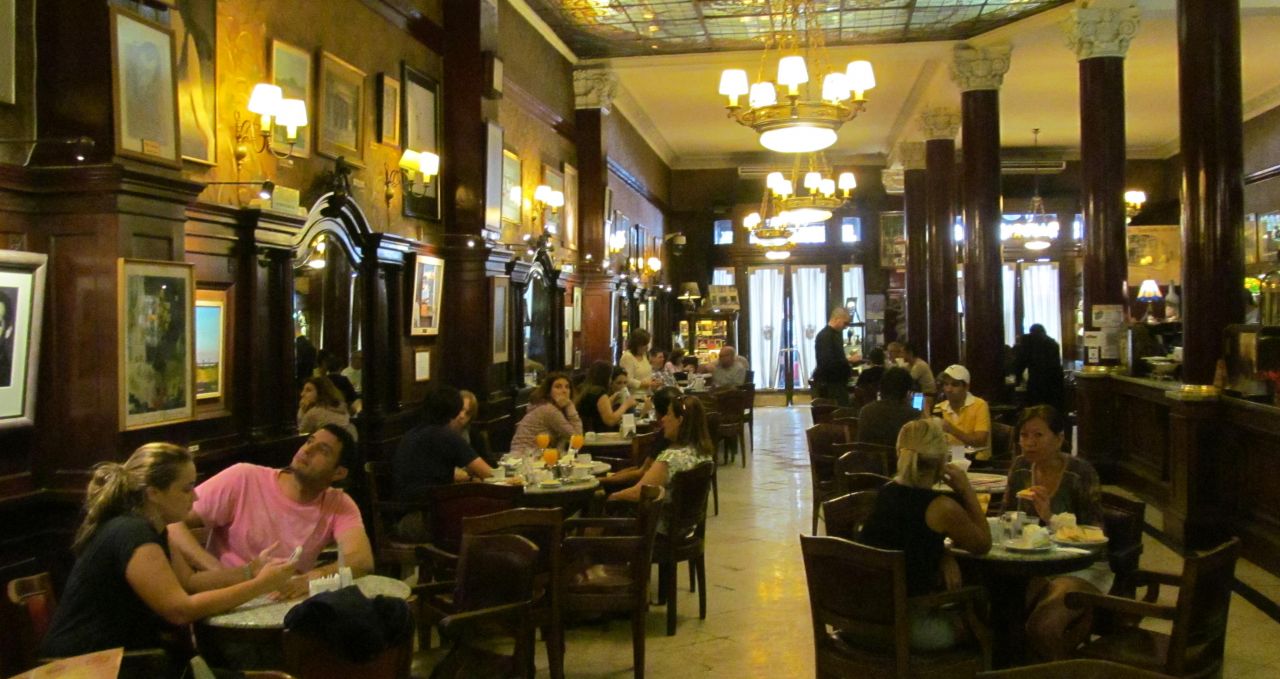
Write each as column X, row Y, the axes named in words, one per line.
column 422, row 365
column 157, row 341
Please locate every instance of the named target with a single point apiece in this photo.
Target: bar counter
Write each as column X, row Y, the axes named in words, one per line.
column 1211, row 465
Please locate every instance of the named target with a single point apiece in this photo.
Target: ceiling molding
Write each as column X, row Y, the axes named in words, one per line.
column 626, row 104
column 544, row 30
column 1008, row 32
column 1262, row 103
column 722, row 161
column 907, row 113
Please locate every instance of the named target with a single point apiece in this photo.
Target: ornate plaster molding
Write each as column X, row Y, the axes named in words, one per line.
column 980, row 68
column 893, row 181
column 594, row 88
column 912, row 154
column 1102, row 28
column 940, row 122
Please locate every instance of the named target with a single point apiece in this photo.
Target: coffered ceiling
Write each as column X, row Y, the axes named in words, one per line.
column 672, row 98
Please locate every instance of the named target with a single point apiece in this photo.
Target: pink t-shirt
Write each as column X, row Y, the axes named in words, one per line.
column 246, row 512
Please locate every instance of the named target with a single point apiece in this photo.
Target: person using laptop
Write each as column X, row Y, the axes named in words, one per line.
column 880, row 421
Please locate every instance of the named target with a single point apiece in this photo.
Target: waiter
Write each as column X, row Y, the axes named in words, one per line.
column 831, row 377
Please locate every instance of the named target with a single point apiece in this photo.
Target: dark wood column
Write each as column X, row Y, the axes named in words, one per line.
column 594, row 91
column 984, row 302
column 1100, row 38
column 1212, row 179
column 941, row 126
column 915, row 183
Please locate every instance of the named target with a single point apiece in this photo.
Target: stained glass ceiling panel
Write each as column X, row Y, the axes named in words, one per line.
column 620, row 28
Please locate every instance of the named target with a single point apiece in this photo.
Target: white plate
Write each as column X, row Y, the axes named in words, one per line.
column 1020, row 547
column 1080, row 543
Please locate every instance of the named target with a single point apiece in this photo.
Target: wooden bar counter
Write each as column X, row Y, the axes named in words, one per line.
column 1211, row 465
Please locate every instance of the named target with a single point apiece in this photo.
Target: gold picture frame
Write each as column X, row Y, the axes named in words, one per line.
column 340, row 110
column 156, row 328
column 144, row 90
column 424, row 303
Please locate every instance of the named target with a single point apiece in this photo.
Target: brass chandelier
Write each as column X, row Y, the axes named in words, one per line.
column 789, row 113
column 783, row 206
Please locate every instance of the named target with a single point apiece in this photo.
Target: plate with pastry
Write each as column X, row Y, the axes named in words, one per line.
column 1034, row 539
column 1080, row 536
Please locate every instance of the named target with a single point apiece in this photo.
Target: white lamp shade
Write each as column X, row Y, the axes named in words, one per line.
column 292, row 113
column 812, row 180
column 847, row 181
column 835, row 87
column 428, row 164
column 827, row 187
column 762, row 94
column 1150, row 291
column 784, row 188
column 409, row 160
column 752, row 220
column 777, row 255
column 555, row 199
column 733, row 82
column 542, row 193
column 1134, row 197
column 861, row 76
column 265, row 99
column 792, row 71
column 773, row 179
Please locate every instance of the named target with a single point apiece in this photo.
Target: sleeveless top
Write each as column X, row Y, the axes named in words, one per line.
column 589, row 411
column 897, row 522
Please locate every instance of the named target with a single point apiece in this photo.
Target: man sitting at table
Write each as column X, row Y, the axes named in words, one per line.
column 428, row 455
column 965, row 417
column 252, row 510
column 880, row 421
column 728, row 371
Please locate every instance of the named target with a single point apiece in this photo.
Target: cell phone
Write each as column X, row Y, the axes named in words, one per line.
column 297, row 554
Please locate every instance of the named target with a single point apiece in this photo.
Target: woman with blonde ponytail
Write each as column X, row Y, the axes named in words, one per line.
column 125, row 584
column 911, row 517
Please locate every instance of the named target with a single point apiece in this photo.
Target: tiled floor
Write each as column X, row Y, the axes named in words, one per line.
column 758, row 621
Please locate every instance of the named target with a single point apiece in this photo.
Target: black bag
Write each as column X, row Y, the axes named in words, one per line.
column 353, row 625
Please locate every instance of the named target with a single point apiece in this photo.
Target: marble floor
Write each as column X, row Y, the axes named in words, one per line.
column 758, row 622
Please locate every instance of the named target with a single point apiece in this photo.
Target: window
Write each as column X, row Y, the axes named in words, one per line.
column 723, row 232
column 765, row 297
column 722, row 276
column 850, row 230
column 957, row 232
column 1077, row 228
column 807, row 233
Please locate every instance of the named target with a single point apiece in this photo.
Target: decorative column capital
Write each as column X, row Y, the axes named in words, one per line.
column 912, row 154
column 980, row 68
column 940, row 122
column 893, row 181
column 594, row 88
column 1102, row 28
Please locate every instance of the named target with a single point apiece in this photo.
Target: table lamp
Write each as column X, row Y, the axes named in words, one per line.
column 1149, row 292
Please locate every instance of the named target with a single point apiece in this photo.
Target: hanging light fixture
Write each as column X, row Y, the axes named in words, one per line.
column 807, row 196
column 1037, row 229
column 793, row 113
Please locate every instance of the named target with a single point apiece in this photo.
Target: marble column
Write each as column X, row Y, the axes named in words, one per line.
column 1209, row 102
column 940, row 126
column 593, row 96
column 1100, row 37
column 979, row 72
column 915, row 207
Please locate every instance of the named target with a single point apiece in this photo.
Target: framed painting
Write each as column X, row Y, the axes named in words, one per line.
column 156, row 339
column 569, row 214
column 291, row 72
column 22, row 276
column 501, row 300
column 512, row 190
column 493, row 177
column 195, row 36
column 388, row 110
column 428, row 279
column 551, row 218
column 420, row 131
column 211, row 327
column 341, row 110
column 144, row 90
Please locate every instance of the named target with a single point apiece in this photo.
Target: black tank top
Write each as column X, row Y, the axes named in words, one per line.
column 897, row 522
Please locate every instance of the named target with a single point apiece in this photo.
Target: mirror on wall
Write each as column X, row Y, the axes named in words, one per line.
column 537, row 323
column 327, row 305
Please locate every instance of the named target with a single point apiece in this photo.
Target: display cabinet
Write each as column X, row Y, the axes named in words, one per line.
column 711, row 331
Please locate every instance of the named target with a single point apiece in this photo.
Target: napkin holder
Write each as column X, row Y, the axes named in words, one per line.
column 628, row 427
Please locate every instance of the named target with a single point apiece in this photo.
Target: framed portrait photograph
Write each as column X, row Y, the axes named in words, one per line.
column 420, row 131
column 512, row 190
column 493, row 177
column 340, row 110
column 388, row 110
column 157, row 341
column 22, row 277
column 501, row 303
column 551, row 218
column 195, row 39
column 291, row 72
column 144, row 90
column 569, row 213
column 428, row 279
column 211, row 326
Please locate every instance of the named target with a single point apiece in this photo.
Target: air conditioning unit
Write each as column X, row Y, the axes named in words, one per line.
column 761, row 171
column 1015, row 166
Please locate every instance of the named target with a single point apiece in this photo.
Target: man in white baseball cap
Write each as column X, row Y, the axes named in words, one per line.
column 965, row 418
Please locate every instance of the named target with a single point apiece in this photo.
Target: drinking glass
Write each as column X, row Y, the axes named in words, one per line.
column 543, row 440
column 550, row 456
column 984, row 501
column 576, row 441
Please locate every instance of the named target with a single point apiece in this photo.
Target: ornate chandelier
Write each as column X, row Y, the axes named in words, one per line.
column 783, row 207
column 1037, row 229
column 786, row 112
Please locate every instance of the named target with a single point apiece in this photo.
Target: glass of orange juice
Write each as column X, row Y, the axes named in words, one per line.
column 576, row 441
column 984, row 501
column 550, row 456
column 543, row 440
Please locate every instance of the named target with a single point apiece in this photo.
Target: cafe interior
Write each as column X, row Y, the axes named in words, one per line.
column 199, row 197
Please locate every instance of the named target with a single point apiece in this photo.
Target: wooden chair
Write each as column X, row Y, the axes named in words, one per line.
column 854, row 481
column 493, row 597
column 822, row 440
column 748, row 390
column 869, row 458
column 447, row 507
column 610, row 573
column 1194, row 647
column 821, row 409
column 1002, row 446
column 644, row 445
column 391, row 552
column 1074, row 669
column 850, row 425
column 713, row 428
column 861, row 397
column 685, row 538
column 865, row 630
column 729, row 403
column 844, row 516
column 493, row 436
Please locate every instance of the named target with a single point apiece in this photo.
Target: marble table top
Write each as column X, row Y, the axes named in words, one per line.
column 262, row 613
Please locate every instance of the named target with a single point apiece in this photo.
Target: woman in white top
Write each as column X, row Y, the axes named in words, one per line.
column 635, row 360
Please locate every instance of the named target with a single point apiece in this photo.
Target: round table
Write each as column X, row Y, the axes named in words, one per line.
column 263, row 613
column 572, row 496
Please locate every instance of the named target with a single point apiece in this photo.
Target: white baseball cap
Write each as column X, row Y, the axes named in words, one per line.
column 957, row 372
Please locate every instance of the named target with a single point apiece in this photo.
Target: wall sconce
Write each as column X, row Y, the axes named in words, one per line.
column 413, row 166
column 273, row 110
column 79, row 146
column 1133, row 200
column 544, row 197
column 1149, row 292
column 690, row 294
column 676, row 241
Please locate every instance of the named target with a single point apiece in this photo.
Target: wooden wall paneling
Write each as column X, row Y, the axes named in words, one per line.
column 73, row 73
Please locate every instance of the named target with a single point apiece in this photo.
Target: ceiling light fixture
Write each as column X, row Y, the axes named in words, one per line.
column 797, row 120
column 1038, row 229
column 809, row 196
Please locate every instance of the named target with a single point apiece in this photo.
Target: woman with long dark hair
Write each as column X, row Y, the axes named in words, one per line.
column 684, row 426
column 551, row 411
column 601, row 404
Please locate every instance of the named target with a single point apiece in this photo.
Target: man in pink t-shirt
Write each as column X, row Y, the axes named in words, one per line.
column 254, row 511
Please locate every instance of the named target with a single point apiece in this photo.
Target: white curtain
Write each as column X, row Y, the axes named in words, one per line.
column 722, row 276
column 1010, row 273
column 852, row 286
column 809, row 314
column 1040, row 303
column 764, row 295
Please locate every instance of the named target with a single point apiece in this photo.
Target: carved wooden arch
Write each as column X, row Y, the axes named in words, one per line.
column 339, row 218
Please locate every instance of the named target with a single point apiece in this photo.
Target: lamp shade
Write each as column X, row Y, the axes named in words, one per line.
column 1135, row 198
column 265, row 99
column 827, row 187
column 555, row 199
column 690, row 291
column 773, row 179
column 752, row 220
column 409, row 160
column 292, row 115
column 763, row 94
column 861, row 76
column 542, row 193
column 428, row 164
column 835, row 87
column 792, row 71
column 1149, row 291
column 847, row 181
column 733, row 82
column 812, row 180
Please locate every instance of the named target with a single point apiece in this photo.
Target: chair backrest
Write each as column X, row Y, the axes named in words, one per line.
column 1122, row 521
column 821, row 410
column 822, row 440
column 1204, row 597
column 876, row 607
column 644, row 445
column 34, row 596
column 861, row 397
column 378, row 476
column 748, row 392
column 852, row 482
column 450, row 504
column 1080, row 668
column 493, row 435
column 495, row 569
column 729, row 404
column 849, row 424
column 845, row 515
column 686, row 507
column 543, row 527
column 869, row 458
column 1001, row 441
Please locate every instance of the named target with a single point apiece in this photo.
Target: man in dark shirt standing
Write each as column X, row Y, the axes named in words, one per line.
column 880, row 421
column 831, row 377
column 1039, row 355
